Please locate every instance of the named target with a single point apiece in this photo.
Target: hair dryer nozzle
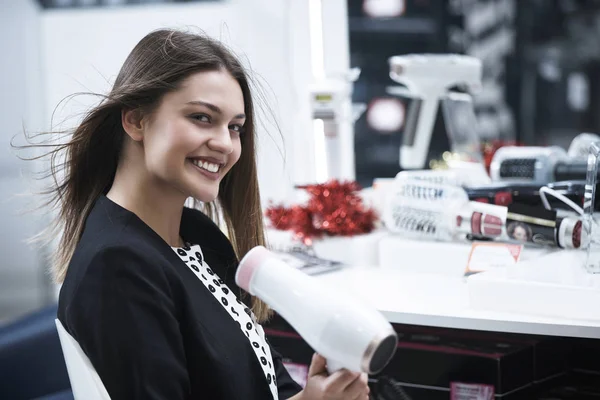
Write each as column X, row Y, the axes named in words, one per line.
column 249, row 265
column 383, row 353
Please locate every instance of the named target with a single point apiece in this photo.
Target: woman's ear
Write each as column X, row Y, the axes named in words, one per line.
column 132, row 121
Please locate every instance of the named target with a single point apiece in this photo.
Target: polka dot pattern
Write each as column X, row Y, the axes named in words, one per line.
column 245, row 318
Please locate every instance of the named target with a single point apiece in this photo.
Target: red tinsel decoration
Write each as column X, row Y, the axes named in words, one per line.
column 334, row 209
column 297, row 219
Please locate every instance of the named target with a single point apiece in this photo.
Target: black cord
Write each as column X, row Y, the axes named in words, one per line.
column 388, row 389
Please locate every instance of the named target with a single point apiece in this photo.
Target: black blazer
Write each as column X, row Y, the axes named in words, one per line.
column 148, row 325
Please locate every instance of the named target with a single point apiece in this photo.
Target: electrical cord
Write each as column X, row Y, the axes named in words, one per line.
column 389, row 389
column 546, row 190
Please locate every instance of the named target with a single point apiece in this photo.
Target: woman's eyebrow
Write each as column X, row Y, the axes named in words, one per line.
column 214, row 108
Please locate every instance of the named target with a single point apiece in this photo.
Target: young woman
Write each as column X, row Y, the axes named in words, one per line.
column 148, row 284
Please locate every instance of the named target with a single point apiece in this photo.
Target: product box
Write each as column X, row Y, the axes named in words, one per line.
column 551, row 356
column 573, row 386
column 457, row 391
column 585, row 355
column 437, row 357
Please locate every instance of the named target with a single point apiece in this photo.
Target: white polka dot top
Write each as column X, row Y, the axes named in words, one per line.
column 193, row 258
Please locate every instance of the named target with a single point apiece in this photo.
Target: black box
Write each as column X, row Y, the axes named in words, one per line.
column 407, row 392
column 585, row 355
column 572, row 386
column 551, row 356
column 436, row 357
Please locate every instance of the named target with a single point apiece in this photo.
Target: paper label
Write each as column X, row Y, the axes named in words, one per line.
column 485, row 256
column 469, row 391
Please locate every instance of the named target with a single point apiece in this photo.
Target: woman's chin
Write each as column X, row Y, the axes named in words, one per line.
column 205, row 195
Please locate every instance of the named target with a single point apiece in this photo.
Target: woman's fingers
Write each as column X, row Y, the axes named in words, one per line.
column 339, row 381
column 359, row 388
column 317, row 365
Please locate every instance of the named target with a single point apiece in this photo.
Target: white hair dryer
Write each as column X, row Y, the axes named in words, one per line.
column 429, row 77
column 346, row 332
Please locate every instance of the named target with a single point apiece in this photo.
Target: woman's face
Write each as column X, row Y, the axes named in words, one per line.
column 520, row 234
column 192, row 139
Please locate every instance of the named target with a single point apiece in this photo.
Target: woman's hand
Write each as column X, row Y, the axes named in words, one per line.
column 341, row 385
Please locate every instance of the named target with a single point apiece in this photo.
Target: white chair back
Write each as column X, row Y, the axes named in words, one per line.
column 85, row 382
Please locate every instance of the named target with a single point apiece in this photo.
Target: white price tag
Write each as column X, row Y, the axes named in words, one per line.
column 485, row 256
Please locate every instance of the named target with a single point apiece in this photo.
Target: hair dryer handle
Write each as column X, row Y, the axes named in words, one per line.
column 333, row 366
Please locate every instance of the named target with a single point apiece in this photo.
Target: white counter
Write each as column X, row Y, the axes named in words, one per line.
column 440, row 300
column 422, row 283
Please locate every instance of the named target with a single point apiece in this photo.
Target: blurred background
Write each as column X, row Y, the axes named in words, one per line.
column 541, row 84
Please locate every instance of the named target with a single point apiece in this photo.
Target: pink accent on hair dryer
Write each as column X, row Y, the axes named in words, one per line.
column 346, row 332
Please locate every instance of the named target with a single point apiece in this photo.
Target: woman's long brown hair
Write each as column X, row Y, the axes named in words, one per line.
column 157, row 65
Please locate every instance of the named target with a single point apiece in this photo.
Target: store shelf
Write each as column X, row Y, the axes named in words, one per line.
column 406, row 25
column 443, row 300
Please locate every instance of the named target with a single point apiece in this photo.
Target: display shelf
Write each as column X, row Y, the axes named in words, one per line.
column 432, row 299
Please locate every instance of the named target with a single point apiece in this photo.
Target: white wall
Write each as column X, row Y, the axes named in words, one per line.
column 22, row 279
column 84, row 49
column 277, row 43
column 50, row 55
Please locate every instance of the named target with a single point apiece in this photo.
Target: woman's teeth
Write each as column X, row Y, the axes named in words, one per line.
column 206, row 165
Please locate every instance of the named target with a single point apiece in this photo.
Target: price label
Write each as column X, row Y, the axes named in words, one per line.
column 485, row 256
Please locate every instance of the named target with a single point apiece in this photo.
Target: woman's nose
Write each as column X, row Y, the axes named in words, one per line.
column 221, row 141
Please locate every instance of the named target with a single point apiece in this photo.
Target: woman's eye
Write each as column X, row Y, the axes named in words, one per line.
column 236, row 128
column 201, row 117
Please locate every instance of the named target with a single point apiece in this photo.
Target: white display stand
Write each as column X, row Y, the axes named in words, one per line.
column 555, row 286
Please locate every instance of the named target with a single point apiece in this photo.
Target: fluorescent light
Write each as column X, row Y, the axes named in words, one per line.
column 316, row 39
